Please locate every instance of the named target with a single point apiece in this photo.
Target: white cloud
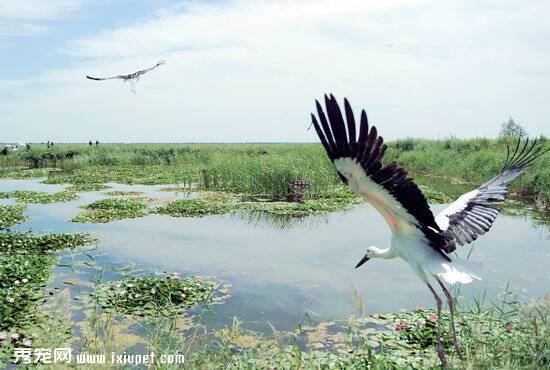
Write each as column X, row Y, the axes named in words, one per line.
column 244, row 23
column 19, row 28
column 22, row 17
column 249, row 70
column 37, row 9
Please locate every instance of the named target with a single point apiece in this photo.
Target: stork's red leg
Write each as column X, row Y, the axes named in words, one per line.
column 439, row 347
column 450, row 301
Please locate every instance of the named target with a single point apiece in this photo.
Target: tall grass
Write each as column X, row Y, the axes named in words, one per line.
column 473, row 160
column 267, row 169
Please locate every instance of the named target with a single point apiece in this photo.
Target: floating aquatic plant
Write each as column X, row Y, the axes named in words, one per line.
column 111, row 209
column 24, row 173
column 175, row 189
column 46, row 243
column 122, row 193
column 39, row 197
column 25, row 267
column 21, row 279
column 192, row 208
column 211, row 203
column 87, row 187
column 150, row 296
column 11, row 215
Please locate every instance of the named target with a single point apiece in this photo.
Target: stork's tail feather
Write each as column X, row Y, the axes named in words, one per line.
column 458, row 271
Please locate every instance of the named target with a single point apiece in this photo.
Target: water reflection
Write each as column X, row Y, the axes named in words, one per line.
column 278, row 221
column 281, row 269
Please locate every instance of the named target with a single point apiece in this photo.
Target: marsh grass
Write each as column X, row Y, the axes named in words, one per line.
column 473, row 160
column 264, row 170
column 490, row 339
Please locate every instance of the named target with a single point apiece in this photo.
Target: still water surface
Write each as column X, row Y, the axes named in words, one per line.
column 282, row 270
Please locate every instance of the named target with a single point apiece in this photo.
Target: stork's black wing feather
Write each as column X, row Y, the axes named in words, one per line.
column 338, row 137
column 108, row 78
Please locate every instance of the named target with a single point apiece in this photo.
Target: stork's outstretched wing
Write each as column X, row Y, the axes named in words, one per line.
column 139, row 73
column 387, row 188
column 130, row 76
column 473, row 213
column 107, row 78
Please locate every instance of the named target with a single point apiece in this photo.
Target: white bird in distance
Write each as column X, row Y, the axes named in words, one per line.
column 132, row 77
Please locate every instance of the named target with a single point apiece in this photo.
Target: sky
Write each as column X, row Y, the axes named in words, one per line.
column 250, row 71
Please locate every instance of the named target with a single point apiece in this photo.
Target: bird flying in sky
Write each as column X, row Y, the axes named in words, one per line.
column 132, row 78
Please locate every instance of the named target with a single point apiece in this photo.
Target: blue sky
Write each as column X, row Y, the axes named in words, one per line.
column 31, row 53
column 242, row 70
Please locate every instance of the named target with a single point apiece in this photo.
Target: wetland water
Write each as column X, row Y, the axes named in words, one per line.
column 278, row 270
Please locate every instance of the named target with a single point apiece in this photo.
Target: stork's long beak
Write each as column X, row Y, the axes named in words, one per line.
column 363, row 260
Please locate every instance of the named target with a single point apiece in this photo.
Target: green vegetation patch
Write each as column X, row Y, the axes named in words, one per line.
column 338, row 199
column 193, row 208
column 123, row 193
column 153, row 296
column 436, row 197
column 125, row 174
column 503, row 336
column 87, row 187
column 25, row 267
column 111, row 209
column 211, row 203
column 26, row 196
column 21, row 279
column 46, row 243
column 11, row 215
column 175, row 189
column 520, row 207
column 267, row 170
column 24, row 173
column 263, row 169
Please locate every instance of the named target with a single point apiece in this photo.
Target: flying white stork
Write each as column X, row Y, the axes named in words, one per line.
column 132, row 77
column 424, row 241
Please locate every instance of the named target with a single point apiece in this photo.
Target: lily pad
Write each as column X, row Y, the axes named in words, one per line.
column 87, row 187
column 11, row 215
column 153, row 296
column 111, row 209
column 39, row 197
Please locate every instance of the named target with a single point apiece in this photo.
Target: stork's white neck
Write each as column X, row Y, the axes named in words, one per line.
column 376, row 252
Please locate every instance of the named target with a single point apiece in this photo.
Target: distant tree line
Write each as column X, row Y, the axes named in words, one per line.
column 512, row 128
